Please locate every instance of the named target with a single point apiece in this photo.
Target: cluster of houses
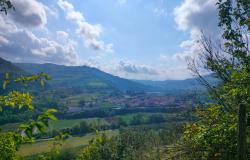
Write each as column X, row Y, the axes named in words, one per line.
column 126, row 100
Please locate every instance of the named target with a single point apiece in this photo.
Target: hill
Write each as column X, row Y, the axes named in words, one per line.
column 82, row 77
column 8, row 67
column 179, row 85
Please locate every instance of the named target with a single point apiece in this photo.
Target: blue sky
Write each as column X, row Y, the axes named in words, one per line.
column 135, row 39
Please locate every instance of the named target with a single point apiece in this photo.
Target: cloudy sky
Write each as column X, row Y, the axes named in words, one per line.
column 136, row 39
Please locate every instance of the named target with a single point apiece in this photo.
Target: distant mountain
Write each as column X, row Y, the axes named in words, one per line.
column 8, row 67
column 85, row 78
column 173, row 85
column 82, row 77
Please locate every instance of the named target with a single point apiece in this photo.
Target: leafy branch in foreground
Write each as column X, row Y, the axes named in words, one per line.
column 6, row 5
column 10, row 141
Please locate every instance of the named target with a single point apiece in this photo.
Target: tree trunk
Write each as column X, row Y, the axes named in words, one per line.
column 242, row 150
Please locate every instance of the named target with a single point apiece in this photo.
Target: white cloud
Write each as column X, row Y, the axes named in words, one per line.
column 52, row 11
column 135, row 68
column 66, row 6
column 29, row 13
column 196, row 14
column 3, row 41
column 62, row 35
column 130, row 70
column 30, row 48
column 18, row 43
column 193, row 16
column 89, row 32
column 75, row 16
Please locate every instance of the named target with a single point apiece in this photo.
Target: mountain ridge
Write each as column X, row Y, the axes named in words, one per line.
column 93, row 79
column 82, row 76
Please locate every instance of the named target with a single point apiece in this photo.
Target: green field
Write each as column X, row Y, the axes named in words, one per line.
column 69, row 123
column 72, row 142
column 59, row 124
column 128, row 117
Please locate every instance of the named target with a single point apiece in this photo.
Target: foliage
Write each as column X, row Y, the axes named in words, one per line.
column 214, row 136
column 5, row 5
column 130, row 144
column 55, row 148
column 10, row 141
column 99, row 148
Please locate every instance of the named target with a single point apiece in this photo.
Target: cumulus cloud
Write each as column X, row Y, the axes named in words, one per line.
column 197, row 15
column 29, row 48
column 19, row 43
column 194, row 16
column 62, row 35
column 29, row 13
column 132, row 70
column 190, row 48
column 3, row 41
column 89, row 32
column 135, row 68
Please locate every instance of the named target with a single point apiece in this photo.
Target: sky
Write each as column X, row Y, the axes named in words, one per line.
column 134, row 39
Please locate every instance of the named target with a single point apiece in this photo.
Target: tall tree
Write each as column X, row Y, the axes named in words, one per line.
column 5, row 5
column 229, row 61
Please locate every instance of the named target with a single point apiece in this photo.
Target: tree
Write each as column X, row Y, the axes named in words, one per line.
column 130, row 144
column 10, row 141
column 5, row 5
column 100, row 148
column 230, row 63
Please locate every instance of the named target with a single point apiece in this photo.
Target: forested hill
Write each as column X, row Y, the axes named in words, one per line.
column 173, row 85
column 92, row 79
column 82, row 77
column 6, row 66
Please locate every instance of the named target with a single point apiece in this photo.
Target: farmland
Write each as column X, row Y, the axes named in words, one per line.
column 72, row 142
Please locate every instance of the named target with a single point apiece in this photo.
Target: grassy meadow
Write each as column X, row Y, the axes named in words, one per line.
column 72, row 142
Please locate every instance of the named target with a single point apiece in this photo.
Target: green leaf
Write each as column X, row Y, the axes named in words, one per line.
column 42, row 82
column 51, row 110
column 52, row 117
column 24, row 126
column 41, row 127
column 5, row 82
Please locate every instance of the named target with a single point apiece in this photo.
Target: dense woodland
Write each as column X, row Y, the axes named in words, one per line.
column 53, row 112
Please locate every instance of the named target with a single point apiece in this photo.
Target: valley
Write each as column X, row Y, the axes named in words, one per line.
column 124, row 80
column 89, row 100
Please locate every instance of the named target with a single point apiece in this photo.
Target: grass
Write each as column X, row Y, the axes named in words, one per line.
column 69, row 123
column 62, row 124
column 128, row 117
column 59, row 124
column 72, row 142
